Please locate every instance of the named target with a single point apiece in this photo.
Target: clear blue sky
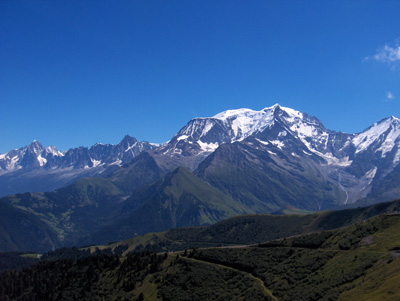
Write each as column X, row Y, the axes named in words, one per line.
column 75, row 73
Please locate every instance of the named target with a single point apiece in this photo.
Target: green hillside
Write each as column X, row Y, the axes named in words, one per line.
column 179, row 199
column 20, row 230
column 71, row 212
column 253, row 229
column 358, row 262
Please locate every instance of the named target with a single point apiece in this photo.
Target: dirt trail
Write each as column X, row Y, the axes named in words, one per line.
column 266, row 290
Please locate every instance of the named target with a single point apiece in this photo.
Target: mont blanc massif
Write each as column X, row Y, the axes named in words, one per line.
column 276, row 161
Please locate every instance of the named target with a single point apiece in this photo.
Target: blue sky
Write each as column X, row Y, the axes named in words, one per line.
column 75, row 73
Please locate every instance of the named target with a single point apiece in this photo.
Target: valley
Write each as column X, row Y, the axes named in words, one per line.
column 357, row 261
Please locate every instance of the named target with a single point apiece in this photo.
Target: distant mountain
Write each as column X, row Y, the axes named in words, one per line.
column 279, row 142
column 36, row 168
column 242, row 161
column 280, row 157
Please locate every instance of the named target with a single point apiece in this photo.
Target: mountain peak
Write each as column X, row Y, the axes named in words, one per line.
column 128, row 138
column 394, row 119
column 232, row 113
column 387, row 131
column 35, row 147
column 35, row 143
column 128, row 141
column 277, row 105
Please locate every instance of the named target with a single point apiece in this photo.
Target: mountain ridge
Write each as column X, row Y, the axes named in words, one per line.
column 283, row 159
column 38, row 168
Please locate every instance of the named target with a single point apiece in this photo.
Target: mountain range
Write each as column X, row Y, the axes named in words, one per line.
column 276, row 160
column 37, row 168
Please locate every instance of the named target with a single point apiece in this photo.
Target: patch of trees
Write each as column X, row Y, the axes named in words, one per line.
column 15, row 261
column 294, row 273
column 88, row 278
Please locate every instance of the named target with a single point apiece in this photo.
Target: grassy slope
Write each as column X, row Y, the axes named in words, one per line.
column 354, row 263
column 22, row 231
column 251, row 229
column 73, row 211
column 359, row 262
column 179, row 199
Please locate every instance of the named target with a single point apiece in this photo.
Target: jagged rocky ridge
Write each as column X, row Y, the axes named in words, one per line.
column 292, row 147
column 38, row 168
column 279, row 139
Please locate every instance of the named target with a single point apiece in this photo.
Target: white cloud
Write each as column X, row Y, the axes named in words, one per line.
column 389, row 95
column 387, row 54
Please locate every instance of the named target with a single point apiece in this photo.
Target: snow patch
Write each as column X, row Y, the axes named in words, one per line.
column 371, row 173
column 95, row 162
column 53, row 150
column 396, row 159
column 207, row 147
column 178, row 151
column 130, row 147
column 208, row 126
column 278, row 144
column 42, row 161
column 304, row 129
column 262, row 142
column 363, row 140
column 245, row 122
column 389, row 143
column 118, row 162
column 183, row 137
column 13, row 163
column 293, row 114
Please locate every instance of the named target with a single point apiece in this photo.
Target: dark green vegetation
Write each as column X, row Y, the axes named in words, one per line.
column 20, row 230
column 358, row 262
column 17, row 261
column 83, row 279
column 67, row 213
column 130, row 278
column 252, row 229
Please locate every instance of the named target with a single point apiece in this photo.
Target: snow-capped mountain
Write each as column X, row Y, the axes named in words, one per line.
column 351, row 165
column 31, row 156
column 202, row 136
column 35, row 167
column 36, row 155
column 270, row 161
column 350, row 162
